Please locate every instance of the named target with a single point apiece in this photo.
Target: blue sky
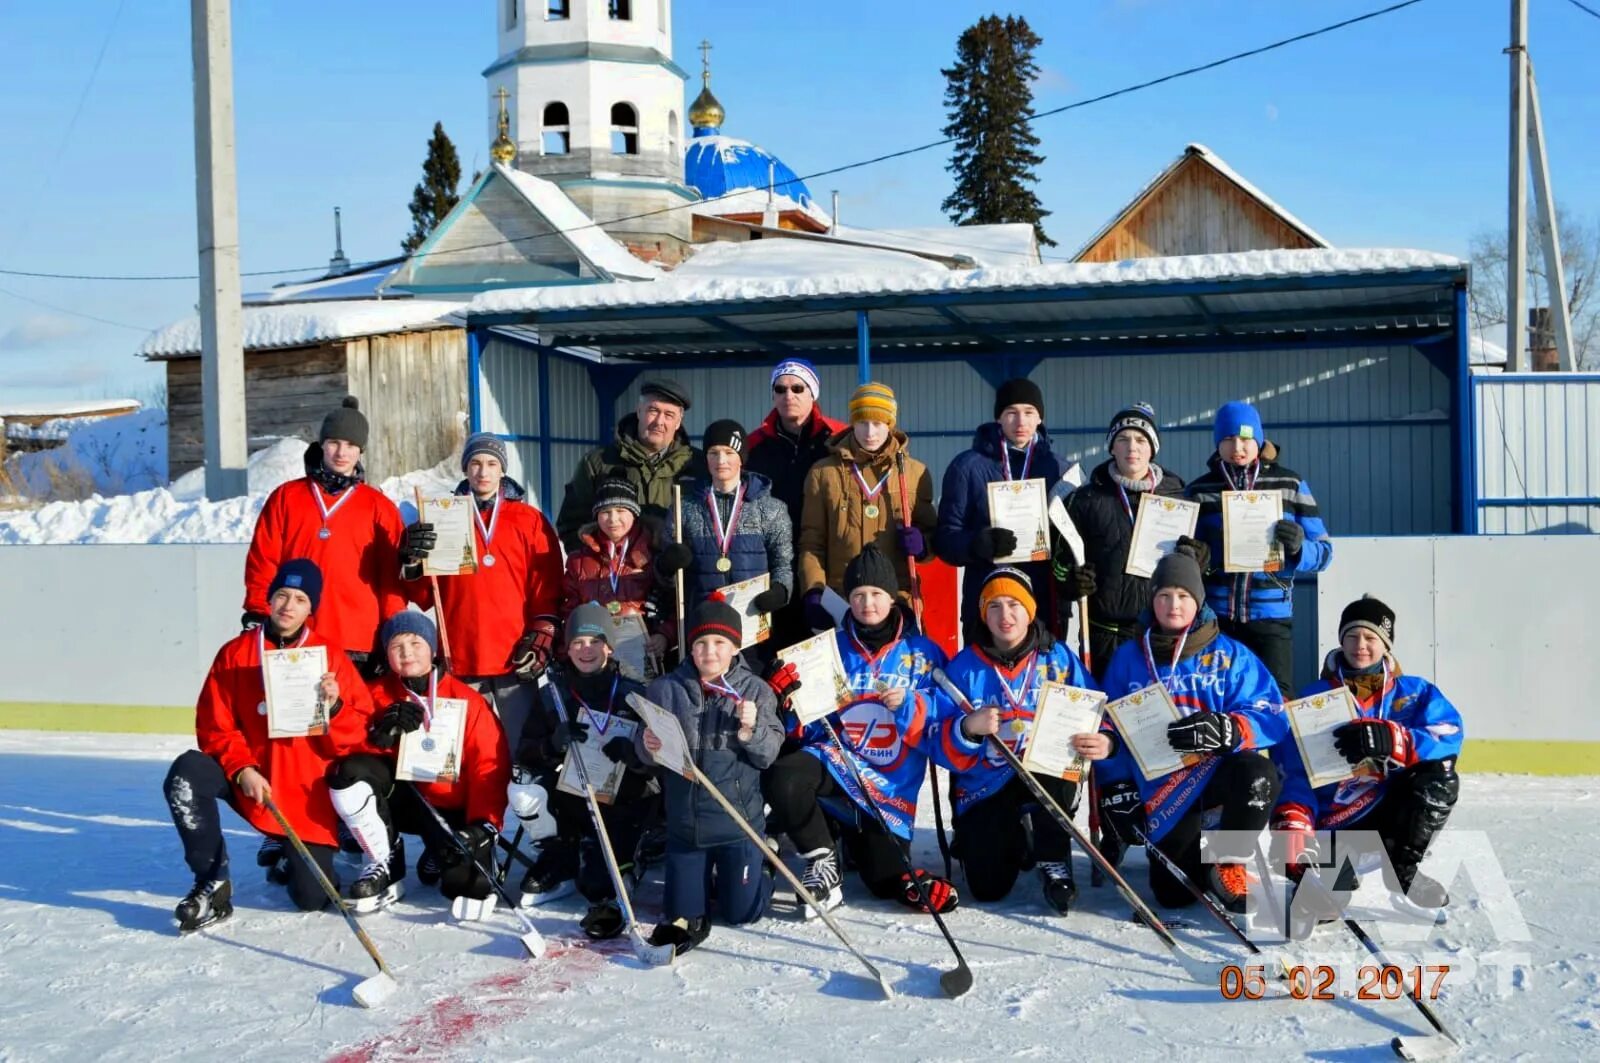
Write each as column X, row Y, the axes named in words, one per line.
column 1391, row 133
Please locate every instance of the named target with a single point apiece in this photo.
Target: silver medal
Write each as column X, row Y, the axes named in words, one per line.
column 325, row 532
column 488, row 560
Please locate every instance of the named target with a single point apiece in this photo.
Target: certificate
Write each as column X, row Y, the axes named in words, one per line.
column 455, row 550
column 1161, row 522
column 741, row 595
column 1068, row 530
column 1142, row 718
column 1019, row 507
column 604, row 774
column 674, row 752
column 1248, row 521
column 294, row 701
column 1313, row 721
column 630, row 643
column 433, row 753
column 1060, row 713
column 824, row 688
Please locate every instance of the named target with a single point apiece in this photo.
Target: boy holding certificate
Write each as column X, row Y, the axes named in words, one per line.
column 430, row 738
column 1002, row 674
column 1401, row 752
column 730, row 720
column 885, row 731
column 1263, row 527
column 591, row 718
column 614, row 562
column 239, row 763
column 1190, row 710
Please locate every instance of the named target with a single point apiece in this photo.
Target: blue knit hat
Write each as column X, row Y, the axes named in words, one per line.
column 409, row 622
column 1238, row 419
column 300, row 574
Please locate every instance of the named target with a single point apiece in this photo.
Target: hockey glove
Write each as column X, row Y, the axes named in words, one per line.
column 1195, row 549
column 531, row 655
column 817, row 617
column 1082, row 582
column 568, row 732
column 398, row 719
column 1294, row 839
column 1291, row 535
column 1122, row 810
column 991, row 543
column 1379, row 740
column 251, row 621
column 673, row 558
column 416, row 542
column 620, row 751
column 785, row 682
column 1203, row 732
column 942, row 894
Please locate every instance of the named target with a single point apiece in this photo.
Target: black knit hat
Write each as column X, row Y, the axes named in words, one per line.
column 724, row 433
column 1021, row 390
column 1179, row 569
column 1369, row 613
column 615, row 491
column 871, row 568
column 1141, row 417
column 346, row 423
column 665, row 388
column 714, row 616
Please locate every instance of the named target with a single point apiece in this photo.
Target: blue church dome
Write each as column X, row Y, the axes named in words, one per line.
column 717, row 165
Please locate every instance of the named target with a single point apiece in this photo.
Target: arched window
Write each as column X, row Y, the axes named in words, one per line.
column 672, row 134
column 620, row 10
column 511, row 13
column 555, row 132
column 555, row 10
column 624, row 129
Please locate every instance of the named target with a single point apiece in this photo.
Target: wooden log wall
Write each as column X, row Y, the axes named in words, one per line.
column 413, row 387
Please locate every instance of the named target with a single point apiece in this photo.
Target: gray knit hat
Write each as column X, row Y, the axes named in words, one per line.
column 484, row 443
column 409, row 622
column 346, row 423
column 1179, row 569
column 590, row 620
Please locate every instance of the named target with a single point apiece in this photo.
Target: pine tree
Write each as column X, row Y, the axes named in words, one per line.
column 436, row 195
column 989, row 100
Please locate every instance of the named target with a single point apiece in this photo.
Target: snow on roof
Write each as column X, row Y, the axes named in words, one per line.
column 987, row 245
column 78, row 408
column 754, row 201
column 1215, row 161
column 791, row 272
column 360, row 283
column 591, row 241
column 1484, row 351
column 303, row 324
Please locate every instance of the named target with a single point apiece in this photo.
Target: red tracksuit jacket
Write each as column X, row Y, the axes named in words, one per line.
column 230, row 722
column 480, row 790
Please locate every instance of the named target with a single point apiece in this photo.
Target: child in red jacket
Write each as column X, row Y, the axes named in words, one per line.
column 613, row 562
column 470, row 792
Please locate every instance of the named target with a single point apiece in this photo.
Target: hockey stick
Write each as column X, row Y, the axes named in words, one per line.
column 1210, row 902
column 369, row 992
column 654, row 955
column 677, row 524
column 938, row 817
column 1203, row 971
column 530, row 937
column 516, row 839
column 1428, row 1046
column 956, row 982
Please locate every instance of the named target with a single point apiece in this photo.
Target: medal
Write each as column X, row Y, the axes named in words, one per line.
column 1019, row 726
column 613, row 607
column 1019, row 700
column 488, row 561
column 594, row 717
column 262, row 708
column 872, row 512
column 724, row 533
column 494, row 522
column 724, row 565
column 881, row 686
column 869, row 494
column 326, row 532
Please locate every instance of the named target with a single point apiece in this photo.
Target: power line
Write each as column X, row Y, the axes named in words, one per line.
column 73, row 313
column 1585, row 8
column 845, row 168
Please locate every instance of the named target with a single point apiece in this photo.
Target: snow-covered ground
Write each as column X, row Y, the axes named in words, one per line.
column 108, row 455
column 90, row 869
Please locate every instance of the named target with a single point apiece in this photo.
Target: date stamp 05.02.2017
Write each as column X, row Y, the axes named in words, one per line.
column 1329, row 982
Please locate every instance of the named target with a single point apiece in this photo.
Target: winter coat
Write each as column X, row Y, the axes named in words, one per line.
column 785, row 459
column 588, row 574
column 479, row 790
column 889, row 747
column 1429, row 728
column 762, row 541
column 1246, row 596
column 710, row 724
column 1215, row 674
column 1097, row 511
column 978, row 770
column 964, row 511
column 487, row 611
column 230, row 724
column 652, row 474
column 835, row 527
column 360, row 559
column 536, row 745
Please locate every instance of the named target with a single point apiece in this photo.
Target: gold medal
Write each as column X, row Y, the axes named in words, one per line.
column 1019, row 726
column 872, row 511
column 881, row 686
column 724, row 565
column 613, row 607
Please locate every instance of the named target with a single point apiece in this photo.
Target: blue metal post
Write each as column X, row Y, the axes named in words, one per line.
column 544, row 433
column 1466, row 415
column 474, row 380
column 863, row 349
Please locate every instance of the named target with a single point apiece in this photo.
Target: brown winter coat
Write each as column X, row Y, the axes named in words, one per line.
column 834, row 526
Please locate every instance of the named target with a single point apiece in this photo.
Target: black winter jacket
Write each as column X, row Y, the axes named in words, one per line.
column 1096, row 510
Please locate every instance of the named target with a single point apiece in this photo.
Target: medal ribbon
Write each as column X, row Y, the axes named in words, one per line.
column 1150, row 659
column 427, row 706
column 614, row 562
column 1027, row 459
column 721, row 686
column 327, row 511
column 611, row 699
column 869, row 493
column 873, row 660
column 1385, row 699
column 1018, row 699
column 1250, row 475
column 725, row 537
column 494, row 517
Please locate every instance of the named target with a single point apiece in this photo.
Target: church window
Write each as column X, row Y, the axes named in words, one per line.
column 624, row 129
column 672, row 134
column 620, row 10
column 556, row 130
column 558, row 9
column 511, row 13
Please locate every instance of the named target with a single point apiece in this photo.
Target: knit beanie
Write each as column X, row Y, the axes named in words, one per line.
column 615, row 491
column 484, row 443
column 1020, row 391
column 874, row 402
column 724, row 433
column 590, row 620
column 1141, row 417
column 665, row 388
column 1369, row 613
column 1007, row 582
column 1179, row 569
column 715, row 616
column 803, row 370
column 409, row 622
column 1238, row 419
column 871, row 568
column 346, row 423
column 300, row 574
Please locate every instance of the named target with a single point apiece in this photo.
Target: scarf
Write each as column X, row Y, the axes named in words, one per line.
column 1008, row 658
column 1365, row 683
column 332, row 482
column 1151, row 481
column 879, row 635
column 1202, row 633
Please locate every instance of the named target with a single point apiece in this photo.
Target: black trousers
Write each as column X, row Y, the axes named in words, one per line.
column 1273, row 642
column 194, row 787
column 991, row 841
column 795, row 787
column 1246, row 786
column 402, row 808
column 626, row 819
column 1103, row 642
column 1415, row 805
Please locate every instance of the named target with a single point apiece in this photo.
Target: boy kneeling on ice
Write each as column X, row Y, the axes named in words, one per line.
column 1403, row 747
column 730, row 720
column 376, row 809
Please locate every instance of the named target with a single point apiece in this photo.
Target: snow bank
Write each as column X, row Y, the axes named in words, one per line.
column 104, row 455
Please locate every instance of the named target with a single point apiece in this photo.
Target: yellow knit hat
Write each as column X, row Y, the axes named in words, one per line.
column 1007, row 582
column 874, row 402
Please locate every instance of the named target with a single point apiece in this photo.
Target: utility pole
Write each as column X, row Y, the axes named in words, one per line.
column 1516, row 236
column 217, row 215
column 1549, row 234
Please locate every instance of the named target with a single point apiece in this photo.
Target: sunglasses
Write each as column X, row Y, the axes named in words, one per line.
column 793, row 389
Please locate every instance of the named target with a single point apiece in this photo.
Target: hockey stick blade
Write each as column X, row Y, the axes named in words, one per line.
column 1425, row 1046
column 372, row 992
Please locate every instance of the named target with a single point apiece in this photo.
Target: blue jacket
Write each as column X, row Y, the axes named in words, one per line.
column 1221, row 675
column 763, row 540
column 964, row 511
column 711, row 726
column 1248, row 596
column 979, row 771
column 1428, row 728
column 888, row 746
